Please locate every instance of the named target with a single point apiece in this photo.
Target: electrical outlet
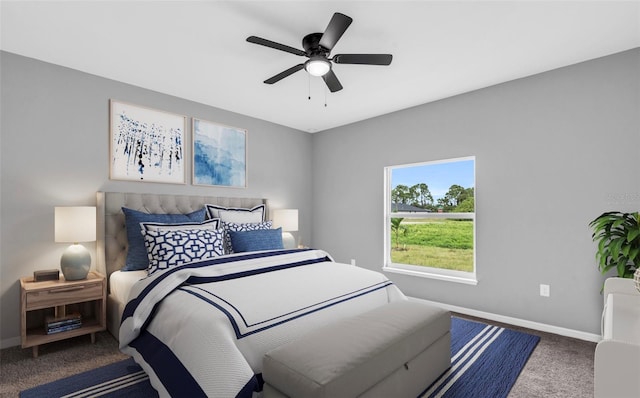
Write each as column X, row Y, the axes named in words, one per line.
column 353, row 261
column 545, row 290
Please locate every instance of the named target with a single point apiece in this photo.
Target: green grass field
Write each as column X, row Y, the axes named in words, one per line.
column 436, row 243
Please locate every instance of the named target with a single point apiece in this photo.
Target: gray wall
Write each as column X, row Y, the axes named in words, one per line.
column 553, row 151
column 54, row 152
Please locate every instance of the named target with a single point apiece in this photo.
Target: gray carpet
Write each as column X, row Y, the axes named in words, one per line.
column 558, row 367
column 19, row 370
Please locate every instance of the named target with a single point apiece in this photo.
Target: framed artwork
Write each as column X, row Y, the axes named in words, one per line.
column 219, row 155
column 146, row 144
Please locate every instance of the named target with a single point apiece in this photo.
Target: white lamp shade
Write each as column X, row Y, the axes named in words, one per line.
column 75, row 224
column 287, row 219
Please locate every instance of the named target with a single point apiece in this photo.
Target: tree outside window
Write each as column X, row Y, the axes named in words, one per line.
column 430, row 213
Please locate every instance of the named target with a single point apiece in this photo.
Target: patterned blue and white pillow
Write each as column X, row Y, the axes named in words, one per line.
column 170, row 248
column 230, row 226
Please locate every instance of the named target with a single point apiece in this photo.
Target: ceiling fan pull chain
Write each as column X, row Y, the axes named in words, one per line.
column 309, row 86
column 325, row 97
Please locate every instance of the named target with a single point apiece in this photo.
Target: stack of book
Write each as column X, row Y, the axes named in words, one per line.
column 62, row 324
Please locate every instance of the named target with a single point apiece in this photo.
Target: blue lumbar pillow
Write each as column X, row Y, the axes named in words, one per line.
column 260, row 239
column 137, row 258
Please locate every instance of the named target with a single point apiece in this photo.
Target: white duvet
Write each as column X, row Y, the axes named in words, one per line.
column 202, row 329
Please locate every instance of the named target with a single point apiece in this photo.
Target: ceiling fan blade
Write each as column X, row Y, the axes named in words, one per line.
column 277, row 46
column 332, row 81
column 336, row 28
column 363, row 59
column 284, row 74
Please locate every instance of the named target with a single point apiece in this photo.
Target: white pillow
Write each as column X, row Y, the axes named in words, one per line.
column 213, row 223
column 237, row 215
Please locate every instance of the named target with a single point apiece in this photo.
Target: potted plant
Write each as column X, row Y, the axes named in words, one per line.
column 618, row 237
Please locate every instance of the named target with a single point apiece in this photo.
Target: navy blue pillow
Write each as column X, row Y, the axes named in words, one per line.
column 259, row 239
column 137, row 258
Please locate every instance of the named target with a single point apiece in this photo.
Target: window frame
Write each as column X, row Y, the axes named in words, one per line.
column 420, row 270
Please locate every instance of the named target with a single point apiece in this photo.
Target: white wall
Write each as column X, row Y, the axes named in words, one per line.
column 553, row 151
column 54, row 152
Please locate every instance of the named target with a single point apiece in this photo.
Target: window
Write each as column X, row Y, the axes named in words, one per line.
column 430, row 219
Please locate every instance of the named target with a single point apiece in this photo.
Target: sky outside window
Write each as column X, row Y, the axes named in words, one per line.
column 439, row 177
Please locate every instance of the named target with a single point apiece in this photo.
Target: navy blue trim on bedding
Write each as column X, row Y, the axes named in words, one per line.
column 255, row 384
column 132, row 304
column 175, row 378
column 377, row 287
column 195, row 280
column 240, row 335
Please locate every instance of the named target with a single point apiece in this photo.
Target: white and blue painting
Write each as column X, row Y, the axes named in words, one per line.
column 219, row 155
column 146, row 145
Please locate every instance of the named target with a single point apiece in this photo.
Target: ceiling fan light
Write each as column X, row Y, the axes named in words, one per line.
column 317, row 66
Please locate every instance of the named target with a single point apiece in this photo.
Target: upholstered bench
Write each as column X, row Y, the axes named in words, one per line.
column 396, row 350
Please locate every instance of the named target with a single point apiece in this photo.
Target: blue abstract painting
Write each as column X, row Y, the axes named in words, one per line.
column 219, row 155
column 146, row 144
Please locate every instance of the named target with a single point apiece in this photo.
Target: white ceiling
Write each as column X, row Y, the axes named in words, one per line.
column 197, row 49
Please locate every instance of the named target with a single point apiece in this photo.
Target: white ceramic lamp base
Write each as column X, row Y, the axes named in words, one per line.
column 75, row 262
column 288, row 241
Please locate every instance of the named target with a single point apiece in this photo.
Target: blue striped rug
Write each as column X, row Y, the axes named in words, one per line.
column 486, row 361
column 124, row 379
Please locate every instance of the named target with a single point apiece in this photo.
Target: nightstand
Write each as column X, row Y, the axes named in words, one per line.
column 617, row 357
column 57, row 310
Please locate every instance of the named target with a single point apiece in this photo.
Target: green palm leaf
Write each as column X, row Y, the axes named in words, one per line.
column 618, row 237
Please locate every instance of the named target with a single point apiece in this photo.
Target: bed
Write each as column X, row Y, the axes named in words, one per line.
column 111, row 245
column 202, row 328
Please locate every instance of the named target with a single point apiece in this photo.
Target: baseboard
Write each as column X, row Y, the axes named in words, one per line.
column 542, row 327
column 576, row 334
column 11, row 342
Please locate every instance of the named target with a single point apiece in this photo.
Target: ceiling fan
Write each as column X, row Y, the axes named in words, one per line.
column 317, row 47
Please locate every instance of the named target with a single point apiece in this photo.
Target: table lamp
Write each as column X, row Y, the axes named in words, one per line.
column 75, row 224
column 287, row 219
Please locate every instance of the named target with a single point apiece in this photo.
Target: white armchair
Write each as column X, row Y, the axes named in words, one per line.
column 617, row 358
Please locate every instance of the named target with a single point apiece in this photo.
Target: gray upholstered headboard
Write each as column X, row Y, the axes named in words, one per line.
column 112, row 234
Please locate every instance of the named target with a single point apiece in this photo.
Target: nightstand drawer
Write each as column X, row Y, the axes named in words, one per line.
column 63, row 295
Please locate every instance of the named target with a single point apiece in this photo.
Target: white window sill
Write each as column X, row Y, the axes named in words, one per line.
column 467, row 280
